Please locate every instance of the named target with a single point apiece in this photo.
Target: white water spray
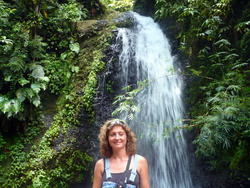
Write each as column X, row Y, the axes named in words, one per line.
column 146, row 54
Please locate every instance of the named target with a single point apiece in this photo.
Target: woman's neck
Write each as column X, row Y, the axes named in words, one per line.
column 120, row 155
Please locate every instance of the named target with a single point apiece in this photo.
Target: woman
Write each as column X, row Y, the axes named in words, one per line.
column 117, row 144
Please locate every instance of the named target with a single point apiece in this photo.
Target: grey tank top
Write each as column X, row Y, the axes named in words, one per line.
column 116, row 176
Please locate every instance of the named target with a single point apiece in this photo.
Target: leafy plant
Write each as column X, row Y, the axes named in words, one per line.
column 126, row 102
column 39, row 49
column 119, row 5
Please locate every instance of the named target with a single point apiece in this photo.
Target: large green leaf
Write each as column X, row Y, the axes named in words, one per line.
column 37, row 71
column 75, row 47
column 36, row 87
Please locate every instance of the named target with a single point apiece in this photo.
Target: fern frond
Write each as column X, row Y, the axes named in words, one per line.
column 214, row 99
column 16, row 63
column 233, row 87
column 23, row 81
column 239, row 66
column 21, row 94
column 35, row 87
column 37, row 101
column 29, row 93
column 37, row 71
column 223, row 43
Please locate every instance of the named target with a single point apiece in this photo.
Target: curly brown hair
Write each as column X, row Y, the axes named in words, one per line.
column 105, row 148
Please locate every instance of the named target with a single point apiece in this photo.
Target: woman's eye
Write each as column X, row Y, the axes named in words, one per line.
column 114, row 134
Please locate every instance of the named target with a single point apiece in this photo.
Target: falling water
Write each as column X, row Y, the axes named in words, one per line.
column 145, row 55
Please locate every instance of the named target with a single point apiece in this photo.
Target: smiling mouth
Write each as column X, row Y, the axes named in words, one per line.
column 117, row 143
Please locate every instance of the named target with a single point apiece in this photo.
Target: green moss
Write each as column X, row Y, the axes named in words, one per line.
column 91, row 54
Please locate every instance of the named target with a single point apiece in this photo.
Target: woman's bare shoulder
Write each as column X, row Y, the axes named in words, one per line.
column 142, row 159
column 143, row 171
column 142, row 163
column 98, row 172
column 99, row 165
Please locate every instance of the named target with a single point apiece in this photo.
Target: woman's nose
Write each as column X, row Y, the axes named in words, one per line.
column 117, row 136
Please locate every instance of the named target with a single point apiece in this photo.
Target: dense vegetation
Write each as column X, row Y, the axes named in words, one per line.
column 50, row 56
column 215, row 35
column 39, row 59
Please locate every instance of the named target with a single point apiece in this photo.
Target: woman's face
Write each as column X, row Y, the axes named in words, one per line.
column 117, row 137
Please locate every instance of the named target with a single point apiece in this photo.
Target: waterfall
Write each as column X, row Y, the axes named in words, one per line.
column 146, row 54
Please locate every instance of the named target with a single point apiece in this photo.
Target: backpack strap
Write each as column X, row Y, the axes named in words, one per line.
column 107, row 169
column 133, row 172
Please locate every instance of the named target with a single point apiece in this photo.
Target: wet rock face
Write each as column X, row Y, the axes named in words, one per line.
column 125, row 20
column 106, row 88
column 89, row 28
column 108, row 80
column 106, row 91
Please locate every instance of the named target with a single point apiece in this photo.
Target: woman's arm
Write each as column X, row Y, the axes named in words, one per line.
column 143, row 171
column 98, row 172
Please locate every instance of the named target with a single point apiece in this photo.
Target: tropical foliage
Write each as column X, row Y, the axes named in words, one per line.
column 119, row 5
column 49, row 68
column 215, row 36
column 27, row 37
column 38, row 52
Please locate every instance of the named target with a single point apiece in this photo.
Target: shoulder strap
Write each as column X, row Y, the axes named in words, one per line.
column 133, row 172
column 128, row 163
column 107, row 169
column 127, row 169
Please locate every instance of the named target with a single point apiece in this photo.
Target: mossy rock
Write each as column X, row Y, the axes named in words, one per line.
column 125, row 20
column 89, row 28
